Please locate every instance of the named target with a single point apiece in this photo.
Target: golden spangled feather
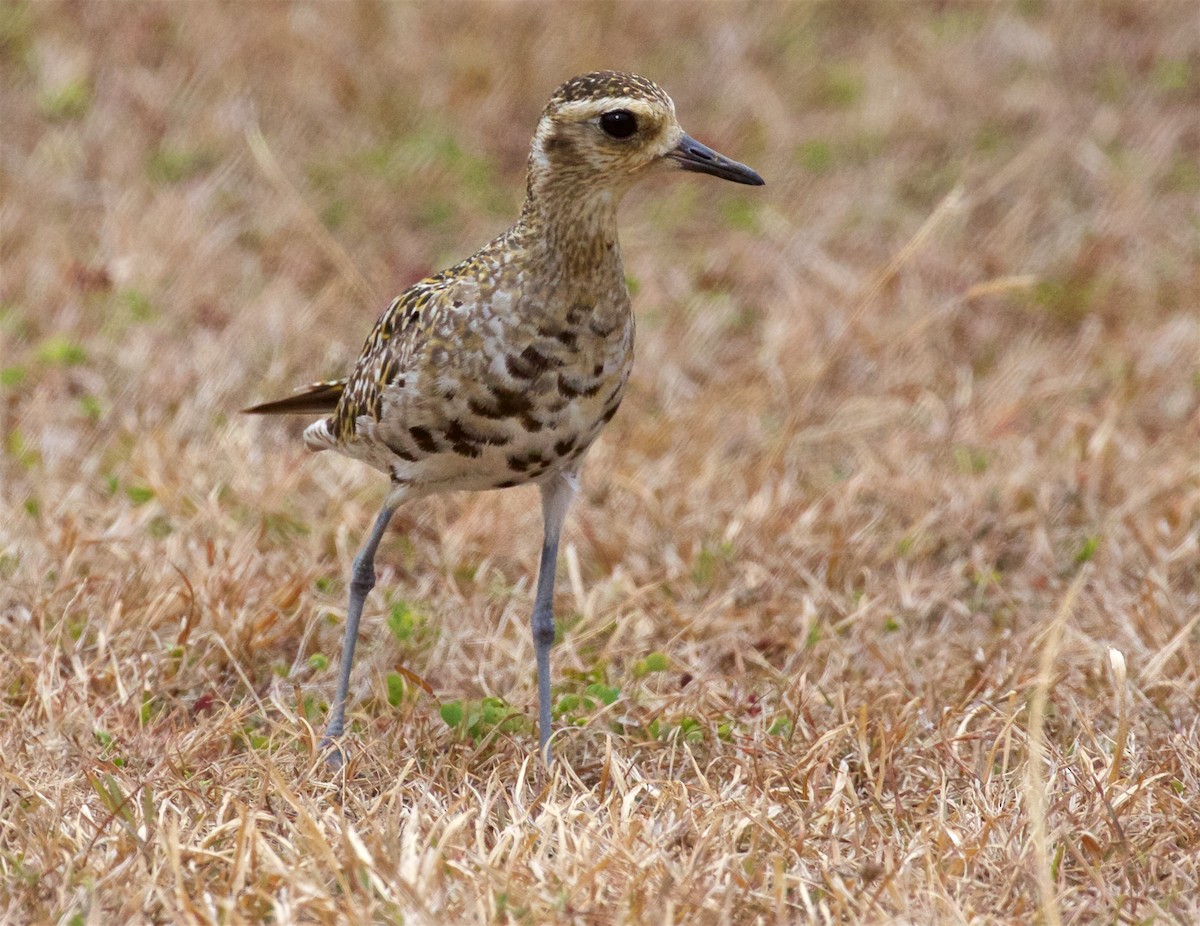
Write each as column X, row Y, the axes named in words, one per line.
column 384, row 356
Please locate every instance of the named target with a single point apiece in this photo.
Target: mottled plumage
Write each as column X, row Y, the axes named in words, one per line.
column 503, row 369
column 487, row 375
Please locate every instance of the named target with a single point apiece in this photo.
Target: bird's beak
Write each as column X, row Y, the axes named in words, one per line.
column 689, row 154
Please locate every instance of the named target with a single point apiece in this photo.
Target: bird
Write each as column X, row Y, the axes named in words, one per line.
column 502, row 370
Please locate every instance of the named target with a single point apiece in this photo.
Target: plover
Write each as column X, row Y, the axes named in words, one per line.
column 502, row 370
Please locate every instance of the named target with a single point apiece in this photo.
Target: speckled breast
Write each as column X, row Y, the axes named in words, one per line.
column 500, row 397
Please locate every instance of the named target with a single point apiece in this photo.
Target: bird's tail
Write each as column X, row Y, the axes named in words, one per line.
column 317, row 399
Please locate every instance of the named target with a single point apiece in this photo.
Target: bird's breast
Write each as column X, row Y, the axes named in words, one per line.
column 509, row 399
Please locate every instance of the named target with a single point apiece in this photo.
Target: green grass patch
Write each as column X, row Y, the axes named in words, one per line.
column 478, row 719
column 60, row 350
column 280, row 526
column 139, row 494
column 90, row 406
column 159, row 527
column 815, row 156
column 137, row 304
column 1067, row 299
column 250, row 738
column 19, row 451
column 972, row 460
column 397, row 689
column 710, row 561
column 401, row 621
column 69, row 101
column 740, row 213
column 1174, row 75
column 1183, row 176
column 16, row 29
column 781, row 726
column 169, row 164
column 690, row 729
column 838, row 86
column 336, row 212
column 1087, row 550
column 576, row 708
column 14, row 320
column 655, row 662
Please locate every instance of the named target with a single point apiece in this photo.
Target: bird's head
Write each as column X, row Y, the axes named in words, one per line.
column 604, row 130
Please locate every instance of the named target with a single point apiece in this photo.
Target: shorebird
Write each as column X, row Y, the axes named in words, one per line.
column 503, row 369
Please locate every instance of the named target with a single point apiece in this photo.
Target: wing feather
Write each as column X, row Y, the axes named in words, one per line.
column 317, row 399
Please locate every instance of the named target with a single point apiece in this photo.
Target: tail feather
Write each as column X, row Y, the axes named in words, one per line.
column 319, row 398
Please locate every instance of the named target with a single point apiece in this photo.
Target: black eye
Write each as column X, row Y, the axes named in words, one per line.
column 620, row 123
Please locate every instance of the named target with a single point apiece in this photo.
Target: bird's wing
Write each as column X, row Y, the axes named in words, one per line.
column 383, row 357
column 386, row 355
column 398, row 341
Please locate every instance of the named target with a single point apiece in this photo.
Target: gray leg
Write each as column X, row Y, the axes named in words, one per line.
column 556, row 499
column 362, row 580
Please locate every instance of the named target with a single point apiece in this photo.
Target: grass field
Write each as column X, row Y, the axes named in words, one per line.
column 881, row 602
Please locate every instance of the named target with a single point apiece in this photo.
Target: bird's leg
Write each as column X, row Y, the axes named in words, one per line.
column 556, row 499
column 362, row 580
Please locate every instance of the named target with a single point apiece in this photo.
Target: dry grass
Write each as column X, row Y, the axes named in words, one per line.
column 889, row 565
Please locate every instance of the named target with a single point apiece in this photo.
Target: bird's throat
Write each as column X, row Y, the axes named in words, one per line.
column 577, row 234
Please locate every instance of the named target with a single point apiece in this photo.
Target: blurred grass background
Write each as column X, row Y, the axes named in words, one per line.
column 919, row 413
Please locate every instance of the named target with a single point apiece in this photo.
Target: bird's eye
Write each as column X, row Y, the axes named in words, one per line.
column 620, row 123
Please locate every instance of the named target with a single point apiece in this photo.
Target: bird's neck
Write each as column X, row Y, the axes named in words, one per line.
column 575, row 232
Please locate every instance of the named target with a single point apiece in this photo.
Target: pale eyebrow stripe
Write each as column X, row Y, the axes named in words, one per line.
column 606, row 104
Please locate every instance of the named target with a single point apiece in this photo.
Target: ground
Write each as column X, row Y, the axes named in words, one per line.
column 881, row 599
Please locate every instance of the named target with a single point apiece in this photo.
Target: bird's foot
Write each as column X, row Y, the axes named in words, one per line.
column 335, row 755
